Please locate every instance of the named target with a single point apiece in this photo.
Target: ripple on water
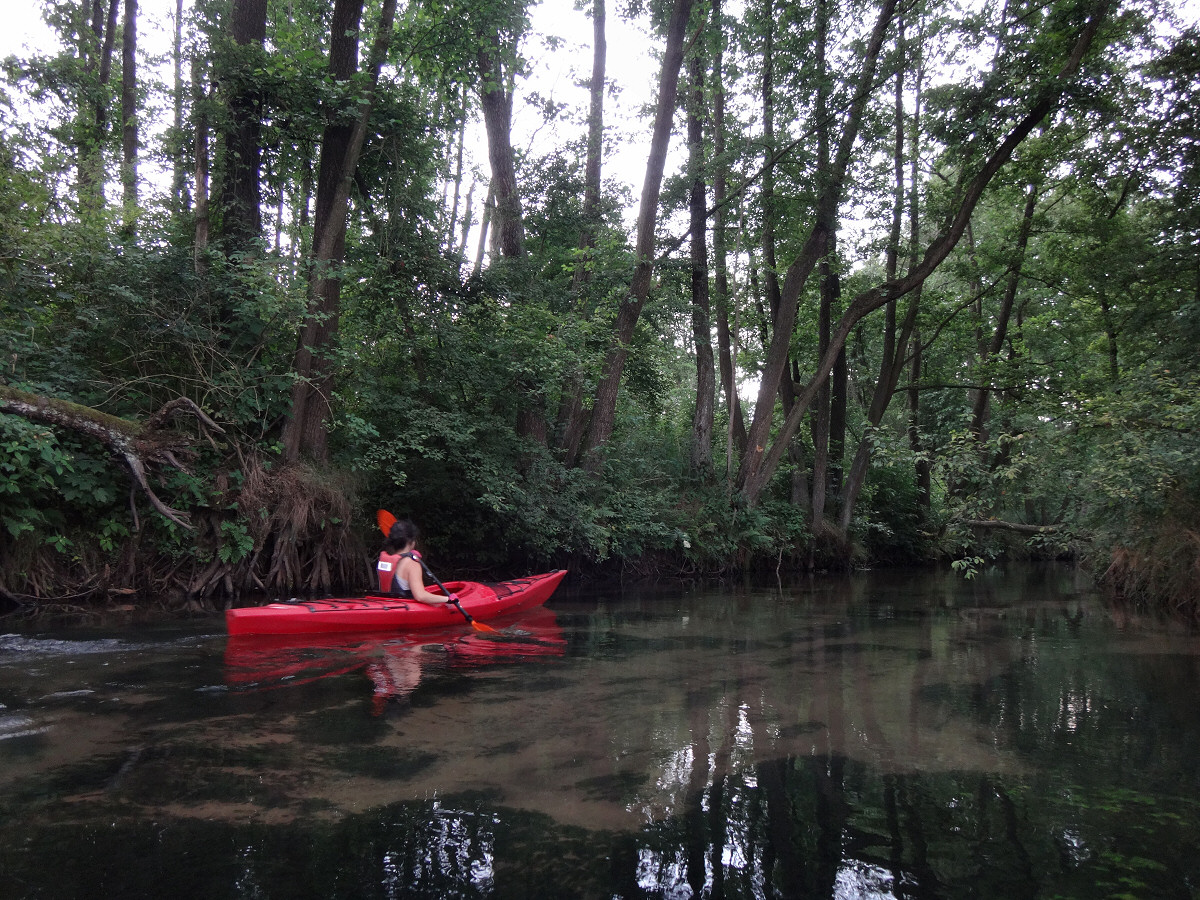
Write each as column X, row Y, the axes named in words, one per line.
column 27, row 647
column 16, row 725
column 31, row 646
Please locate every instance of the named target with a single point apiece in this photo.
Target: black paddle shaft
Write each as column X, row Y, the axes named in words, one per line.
column 449, row 596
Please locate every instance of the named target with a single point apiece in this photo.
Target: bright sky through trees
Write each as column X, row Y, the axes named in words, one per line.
column 559, row 54
column 558, row 50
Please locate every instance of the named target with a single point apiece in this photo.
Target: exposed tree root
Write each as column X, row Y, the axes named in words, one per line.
column 1167, row 579
column 299, row 519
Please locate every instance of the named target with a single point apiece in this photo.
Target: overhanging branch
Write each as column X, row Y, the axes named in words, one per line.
column 138, row 445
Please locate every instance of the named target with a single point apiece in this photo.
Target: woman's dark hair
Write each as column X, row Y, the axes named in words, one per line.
column 402, row 533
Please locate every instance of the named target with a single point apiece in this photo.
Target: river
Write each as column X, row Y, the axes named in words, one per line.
column 880, row 735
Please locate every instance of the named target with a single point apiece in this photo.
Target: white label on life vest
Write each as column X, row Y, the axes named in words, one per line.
column 384, row 566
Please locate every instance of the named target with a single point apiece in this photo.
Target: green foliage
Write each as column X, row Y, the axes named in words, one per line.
column 889, row 519
column 449, row 391
column 236, row 542
column 42, row 476
column 30, row 458
column 1143, row 477
column 1142, row 442
column 968, row 566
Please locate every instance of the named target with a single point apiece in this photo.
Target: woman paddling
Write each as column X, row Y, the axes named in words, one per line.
column 399, row 566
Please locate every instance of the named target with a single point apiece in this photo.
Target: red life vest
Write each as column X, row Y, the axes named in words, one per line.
column 388, row 569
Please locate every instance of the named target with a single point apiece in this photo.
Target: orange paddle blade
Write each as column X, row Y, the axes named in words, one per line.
column 385, row 520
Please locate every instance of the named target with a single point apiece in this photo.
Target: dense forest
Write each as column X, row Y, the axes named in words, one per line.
column 906, row 281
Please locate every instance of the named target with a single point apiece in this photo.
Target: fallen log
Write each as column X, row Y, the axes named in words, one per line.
column 1020, row 527
column 138, row 445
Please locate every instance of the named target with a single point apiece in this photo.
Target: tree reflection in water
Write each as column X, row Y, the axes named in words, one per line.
column 868, row 737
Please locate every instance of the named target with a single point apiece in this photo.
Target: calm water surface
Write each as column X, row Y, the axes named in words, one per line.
column 883, row 735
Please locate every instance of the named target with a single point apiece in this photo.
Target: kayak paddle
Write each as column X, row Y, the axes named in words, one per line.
column 478, row 626
column 385, row 520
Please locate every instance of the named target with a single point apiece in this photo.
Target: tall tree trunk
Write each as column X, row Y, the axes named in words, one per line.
column 489, row 204
column 460, row 251
column 702, row 419
column 762, row 320
column 572, row 417
column 821, row 405
column 496, row 99
column 892, row 258
column 335, row 142
column 200, row 153
column 976, row 286
column 890, row 356
column 106, row 54
column 979, row 411
column 881, row 397
column 573, row 420
column 306, row 432
column 452, row 224
column 815, row 246
column 770, row 263
column 508, row 229
column 821, row 424
column 241, row 190
column 302, row 243
column 595, row 144
column 762, row 458
column 129, row 119
column 178, row 176
column 839, row 389
column 726, row 354
column 604, row 411
column 924, row 475
column 97, row 54
column 769, row 249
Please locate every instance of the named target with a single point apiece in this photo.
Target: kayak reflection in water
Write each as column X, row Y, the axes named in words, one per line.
column 394, row 677
column 393, row 664
column 399, row 566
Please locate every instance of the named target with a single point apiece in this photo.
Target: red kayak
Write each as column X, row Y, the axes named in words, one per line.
column 374, row 612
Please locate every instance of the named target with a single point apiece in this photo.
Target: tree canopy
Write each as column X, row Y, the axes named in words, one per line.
column 898, row 282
